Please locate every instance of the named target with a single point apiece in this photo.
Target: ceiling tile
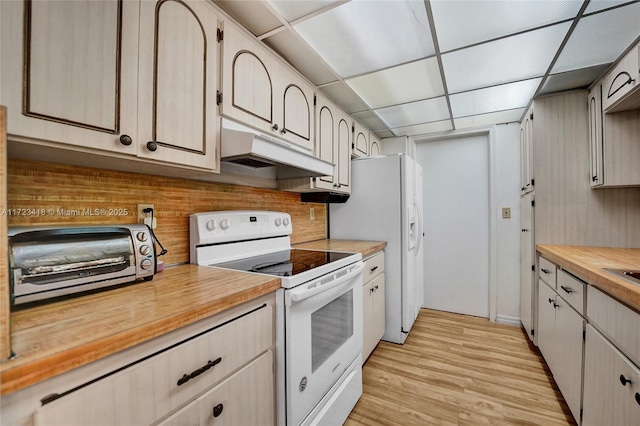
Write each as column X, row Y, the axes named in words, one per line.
column 461, row 23
column 421, row 129
column 491, row 99
column 415, row 112
column 514, row 58
column 370, row 120
column 257, row 18
column 354, row 38
column 341, row 94
column 499, row 117
column 595, row 5
column 301, row 56
column 572, row 79
column 600, row 38
column 405, row 83
column 292, row 10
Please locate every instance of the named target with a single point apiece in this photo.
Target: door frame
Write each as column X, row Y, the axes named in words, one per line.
column 489, row 132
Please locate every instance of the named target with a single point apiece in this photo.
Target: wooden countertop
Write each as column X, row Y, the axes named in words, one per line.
column 57, row 337
column 587, row 263
column 367, row 248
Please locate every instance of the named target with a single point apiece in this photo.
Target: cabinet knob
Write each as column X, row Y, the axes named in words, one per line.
column 126, row 140
column 638, row 398
column 624, row 380
column 551, row 300
column 283, row 131
column 152, row 146
column 594, row 178
column 275, row 127
column 217, row 410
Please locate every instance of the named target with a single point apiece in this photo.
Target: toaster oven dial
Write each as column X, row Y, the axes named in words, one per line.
column 141, row 236
column 145, row 250
column 145, row 264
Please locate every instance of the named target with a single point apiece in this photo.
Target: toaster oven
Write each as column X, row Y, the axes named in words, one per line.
column 58, row 261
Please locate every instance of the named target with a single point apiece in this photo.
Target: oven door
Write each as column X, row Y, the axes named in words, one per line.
column 323, row 336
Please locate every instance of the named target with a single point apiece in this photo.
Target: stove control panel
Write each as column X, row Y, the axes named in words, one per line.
column 237, row 225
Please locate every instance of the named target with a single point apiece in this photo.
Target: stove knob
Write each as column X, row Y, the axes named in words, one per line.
column 285, row 221
column 145, row 264
column 224, row 223
column 145, row 250
column 211, row 225
column 141, row 236
column 278, row 221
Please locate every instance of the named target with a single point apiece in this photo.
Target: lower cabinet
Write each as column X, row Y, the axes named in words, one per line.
column 219, row 369
column 373, row 304
column 560, row 339
column 611, row 384
column 242, row 399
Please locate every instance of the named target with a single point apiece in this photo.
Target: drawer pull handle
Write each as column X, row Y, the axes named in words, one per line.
column 217, row 410
column 624, row 380
column 184, row 379
column 546, row 271
column 374, row 268
column 566, row 289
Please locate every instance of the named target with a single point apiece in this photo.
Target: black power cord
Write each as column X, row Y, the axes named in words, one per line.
column 153, row 234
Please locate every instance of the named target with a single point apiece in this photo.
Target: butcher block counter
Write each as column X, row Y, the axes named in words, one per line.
column 587, row 263
column 53, row 338
column 367, row 248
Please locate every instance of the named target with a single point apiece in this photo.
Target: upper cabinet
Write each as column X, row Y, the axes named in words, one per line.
column 120, row 76
column 178, row 63
column 374, row 146
column 70, row 72
column 360, row 144
column 333, row 144
column 620, row 84
column 258, row 90
column 526, row 153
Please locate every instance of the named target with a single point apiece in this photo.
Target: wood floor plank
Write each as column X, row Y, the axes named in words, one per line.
column 459, row 370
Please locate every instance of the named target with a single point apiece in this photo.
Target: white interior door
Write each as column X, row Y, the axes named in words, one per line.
column 456, row 224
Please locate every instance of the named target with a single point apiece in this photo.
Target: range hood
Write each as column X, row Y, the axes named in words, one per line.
column 250, row 148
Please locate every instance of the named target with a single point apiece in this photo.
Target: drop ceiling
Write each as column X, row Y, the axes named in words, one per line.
column 414, row 67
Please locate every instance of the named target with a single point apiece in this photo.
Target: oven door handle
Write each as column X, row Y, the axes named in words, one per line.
column 298, row 296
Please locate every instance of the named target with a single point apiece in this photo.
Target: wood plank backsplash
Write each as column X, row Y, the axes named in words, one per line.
column 65, row 193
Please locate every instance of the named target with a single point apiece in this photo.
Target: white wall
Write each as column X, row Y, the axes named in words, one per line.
column 505, row 192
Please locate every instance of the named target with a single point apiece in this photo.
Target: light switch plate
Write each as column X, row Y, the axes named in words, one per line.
column 506, row 212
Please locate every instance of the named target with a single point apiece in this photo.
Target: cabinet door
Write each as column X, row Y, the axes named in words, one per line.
column 568, row 347
column 360, row 147
column 620, row 81
column 69, row 72
column 326, row 139
column 526, row 153
column 608, row 398
column 378, row 310
column 178, row 79
column 295, row 114
column 526, row 262
column 246, row 398
column 547, row 339
column 343, row 143
column 368, row 339
column 595, row 135
column 374, row 146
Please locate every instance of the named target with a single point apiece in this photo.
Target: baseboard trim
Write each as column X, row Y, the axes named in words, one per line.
column 503, row 319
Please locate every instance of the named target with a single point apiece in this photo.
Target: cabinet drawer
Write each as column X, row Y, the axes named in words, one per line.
column 373, row 267
column 608, row 398
column 547, row 271
column 620, row 81
column 617, row 322
column 153, row 387
column 572, row 290
column 246, row 398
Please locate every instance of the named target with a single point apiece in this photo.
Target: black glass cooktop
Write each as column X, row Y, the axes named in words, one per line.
column 285, row 263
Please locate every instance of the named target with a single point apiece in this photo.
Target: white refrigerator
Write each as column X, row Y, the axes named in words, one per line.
column 386, row 205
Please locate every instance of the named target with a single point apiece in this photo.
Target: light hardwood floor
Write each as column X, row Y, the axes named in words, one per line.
column 459, row 370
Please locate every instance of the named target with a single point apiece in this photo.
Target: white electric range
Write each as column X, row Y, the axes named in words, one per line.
column 319, row 309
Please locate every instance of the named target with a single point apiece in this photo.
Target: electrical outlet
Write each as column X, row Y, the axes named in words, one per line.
column 506, row 212
column 141, row 214
column 312, row 213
